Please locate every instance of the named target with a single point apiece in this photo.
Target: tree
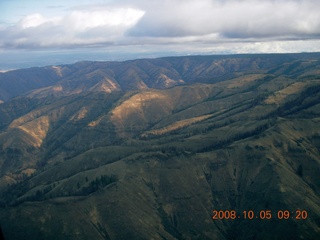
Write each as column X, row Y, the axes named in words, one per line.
column 299, row 171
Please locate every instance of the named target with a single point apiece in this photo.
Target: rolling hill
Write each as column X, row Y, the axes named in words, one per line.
column 149, row 148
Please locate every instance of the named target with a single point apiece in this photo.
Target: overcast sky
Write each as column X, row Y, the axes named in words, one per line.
column 105, row 29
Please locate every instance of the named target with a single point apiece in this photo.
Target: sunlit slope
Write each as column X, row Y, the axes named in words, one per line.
column 153, row 163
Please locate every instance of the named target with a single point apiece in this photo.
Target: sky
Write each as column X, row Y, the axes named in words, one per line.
column 46, row 32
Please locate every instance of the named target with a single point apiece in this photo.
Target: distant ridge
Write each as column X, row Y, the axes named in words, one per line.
column 157, row 73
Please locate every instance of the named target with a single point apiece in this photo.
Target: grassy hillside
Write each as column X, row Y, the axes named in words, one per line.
column 235, row 133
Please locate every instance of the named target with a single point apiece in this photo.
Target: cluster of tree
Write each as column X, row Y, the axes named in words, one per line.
column 242, row 135
column 96, row 184
column 307, row 98
column 12, row 196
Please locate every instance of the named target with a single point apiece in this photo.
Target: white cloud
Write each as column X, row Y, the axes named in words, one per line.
column 122, row 17
column 33, row 20
column 263, row 25
column 78, row 27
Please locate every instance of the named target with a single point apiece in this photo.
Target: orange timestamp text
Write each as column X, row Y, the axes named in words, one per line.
column 262, row 214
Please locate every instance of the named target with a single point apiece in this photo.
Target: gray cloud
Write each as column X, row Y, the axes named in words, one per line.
column 177, row 22
column 231, row 19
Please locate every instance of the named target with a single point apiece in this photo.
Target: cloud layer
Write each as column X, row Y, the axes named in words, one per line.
column 142, row 22
column 77, row 28
column 231, row 19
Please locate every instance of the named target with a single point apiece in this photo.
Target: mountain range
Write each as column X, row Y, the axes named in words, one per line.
column 152, row 148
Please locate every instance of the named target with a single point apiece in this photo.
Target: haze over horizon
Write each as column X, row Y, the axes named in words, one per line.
column 38, row 33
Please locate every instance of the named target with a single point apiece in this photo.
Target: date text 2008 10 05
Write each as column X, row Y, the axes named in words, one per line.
column 262, row 214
